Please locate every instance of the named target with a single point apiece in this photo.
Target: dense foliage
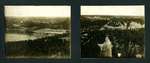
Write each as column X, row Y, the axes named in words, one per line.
column 52, row 47
column 127, row 41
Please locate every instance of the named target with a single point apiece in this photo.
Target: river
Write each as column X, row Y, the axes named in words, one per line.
column 18, row 37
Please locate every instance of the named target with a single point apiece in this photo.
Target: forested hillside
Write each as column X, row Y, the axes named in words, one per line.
column 125, row 32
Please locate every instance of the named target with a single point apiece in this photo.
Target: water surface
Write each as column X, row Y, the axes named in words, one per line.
column 18, row 37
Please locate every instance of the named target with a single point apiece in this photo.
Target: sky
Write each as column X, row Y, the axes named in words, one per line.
column 137, row 10
column 46, row 11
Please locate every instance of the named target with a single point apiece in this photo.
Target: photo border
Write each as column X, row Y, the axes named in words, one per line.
column 73, row 20
column 75, row 29
column 146, row 35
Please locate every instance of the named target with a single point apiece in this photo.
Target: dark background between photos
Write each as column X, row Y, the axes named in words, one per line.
column 75, row 22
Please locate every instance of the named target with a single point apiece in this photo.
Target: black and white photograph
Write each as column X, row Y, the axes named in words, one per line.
column 38, row 31
column 112, row 31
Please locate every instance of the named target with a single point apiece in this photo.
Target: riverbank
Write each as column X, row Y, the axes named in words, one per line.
column 51, row 47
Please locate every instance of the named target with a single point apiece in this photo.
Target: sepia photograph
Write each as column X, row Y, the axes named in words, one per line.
column 38, row 31
column 112, row 31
